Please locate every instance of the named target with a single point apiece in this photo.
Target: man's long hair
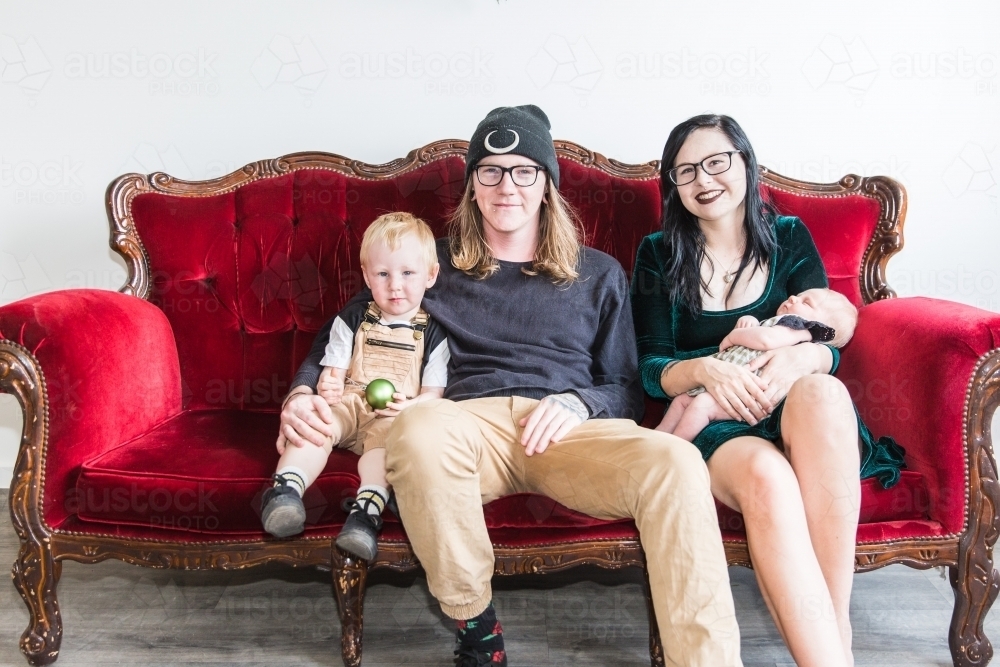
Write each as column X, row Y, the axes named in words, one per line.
column 560, row 238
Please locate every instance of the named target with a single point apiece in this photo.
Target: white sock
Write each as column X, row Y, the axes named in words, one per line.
column 296, row 478
column 373, row 498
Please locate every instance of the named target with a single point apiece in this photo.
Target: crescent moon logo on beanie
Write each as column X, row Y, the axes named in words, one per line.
column 505, row 149
column 522, row 130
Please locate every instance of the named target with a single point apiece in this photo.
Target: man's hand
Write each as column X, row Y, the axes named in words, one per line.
column 306, row 419
column 331, row 385
column 551, row 420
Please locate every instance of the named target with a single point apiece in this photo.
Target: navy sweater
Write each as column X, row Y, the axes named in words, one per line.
column 517, row 335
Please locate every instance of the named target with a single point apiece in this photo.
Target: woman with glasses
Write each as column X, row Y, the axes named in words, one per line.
column 788, row 458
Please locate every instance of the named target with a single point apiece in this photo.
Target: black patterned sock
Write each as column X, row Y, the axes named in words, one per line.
column 482, row 633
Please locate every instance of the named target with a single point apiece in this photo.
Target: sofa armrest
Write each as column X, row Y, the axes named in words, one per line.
column 104, row 368
column 909, row 369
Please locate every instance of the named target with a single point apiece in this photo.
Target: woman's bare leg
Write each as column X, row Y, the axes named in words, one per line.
column 820, row 435
column 751, row 476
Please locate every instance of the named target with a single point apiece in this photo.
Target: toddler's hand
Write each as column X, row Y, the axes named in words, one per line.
column 398, row 403
column 330, row 387
column 747, row 321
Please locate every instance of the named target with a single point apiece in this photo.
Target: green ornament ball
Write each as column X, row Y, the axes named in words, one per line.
column 379, row 392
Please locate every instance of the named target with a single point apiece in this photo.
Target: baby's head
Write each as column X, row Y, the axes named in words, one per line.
column 826, row 306
column 399, row 262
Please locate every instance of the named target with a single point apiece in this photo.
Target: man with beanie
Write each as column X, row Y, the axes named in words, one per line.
column 541, row 398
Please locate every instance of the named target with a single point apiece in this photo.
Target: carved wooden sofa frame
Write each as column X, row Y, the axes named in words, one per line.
column 36, row 572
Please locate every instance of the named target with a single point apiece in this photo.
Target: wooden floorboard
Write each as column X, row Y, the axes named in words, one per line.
column 119, row 614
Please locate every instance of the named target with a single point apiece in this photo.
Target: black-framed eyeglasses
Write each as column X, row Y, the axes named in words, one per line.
column 523, row 175
column 713, row 165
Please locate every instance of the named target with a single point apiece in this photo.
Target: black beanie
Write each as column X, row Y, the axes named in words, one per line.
column 520, row 130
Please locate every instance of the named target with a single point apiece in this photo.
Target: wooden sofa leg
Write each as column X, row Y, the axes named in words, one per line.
column 35, row 575
column 974, row 580
column 349, row 575
column 655, row 647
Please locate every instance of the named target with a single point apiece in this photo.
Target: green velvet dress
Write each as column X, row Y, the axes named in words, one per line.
column 666, row 332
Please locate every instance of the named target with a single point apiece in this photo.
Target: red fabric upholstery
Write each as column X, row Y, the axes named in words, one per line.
column 163, row 419
column 907, row 369
column 110, row 370
column 842, row 227
column 205, row 470
column 259, row 270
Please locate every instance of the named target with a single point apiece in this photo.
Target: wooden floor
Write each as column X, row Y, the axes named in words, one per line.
column 119, row 614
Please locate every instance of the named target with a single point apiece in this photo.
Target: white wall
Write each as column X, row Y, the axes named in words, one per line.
column 911, row 90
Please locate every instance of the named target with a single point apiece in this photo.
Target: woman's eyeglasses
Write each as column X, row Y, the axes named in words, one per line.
column 713, row 165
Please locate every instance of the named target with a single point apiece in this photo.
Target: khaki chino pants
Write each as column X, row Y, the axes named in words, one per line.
column 446, row 459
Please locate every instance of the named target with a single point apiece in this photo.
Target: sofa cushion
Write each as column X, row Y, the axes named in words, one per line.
column 202, row 471
column 205, row 471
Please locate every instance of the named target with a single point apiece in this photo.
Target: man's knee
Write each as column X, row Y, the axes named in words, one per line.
column 669, row 455
column 421, row 426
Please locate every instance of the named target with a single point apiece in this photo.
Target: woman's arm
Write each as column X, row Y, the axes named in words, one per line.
column 739, row 392
column 782, row 367
column 652, row 315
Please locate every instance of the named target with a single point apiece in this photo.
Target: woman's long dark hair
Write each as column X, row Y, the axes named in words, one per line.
column 683, row 238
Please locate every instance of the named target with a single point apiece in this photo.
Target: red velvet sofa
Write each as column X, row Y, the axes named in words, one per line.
column 151, row 414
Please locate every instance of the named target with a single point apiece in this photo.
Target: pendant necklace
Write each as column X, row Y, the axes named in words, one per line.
column 727, row 276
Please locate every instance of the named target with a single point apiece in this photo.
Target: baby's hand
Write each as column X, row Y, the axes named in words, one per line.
column 330, row 387
column 398, row 403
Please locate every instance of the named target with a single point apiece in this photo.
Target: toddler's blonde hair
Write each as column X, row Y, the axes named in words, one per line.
column 390, row 228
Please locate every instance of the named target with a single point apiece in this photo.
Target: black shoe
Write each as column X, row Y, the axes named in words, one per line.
column 391, row 504
column 358, row 536
column 469, row 657
column 282, row 513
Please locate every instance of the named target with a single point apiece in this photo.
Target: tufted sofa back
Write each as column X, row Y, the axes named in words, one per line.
column 249, row 266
